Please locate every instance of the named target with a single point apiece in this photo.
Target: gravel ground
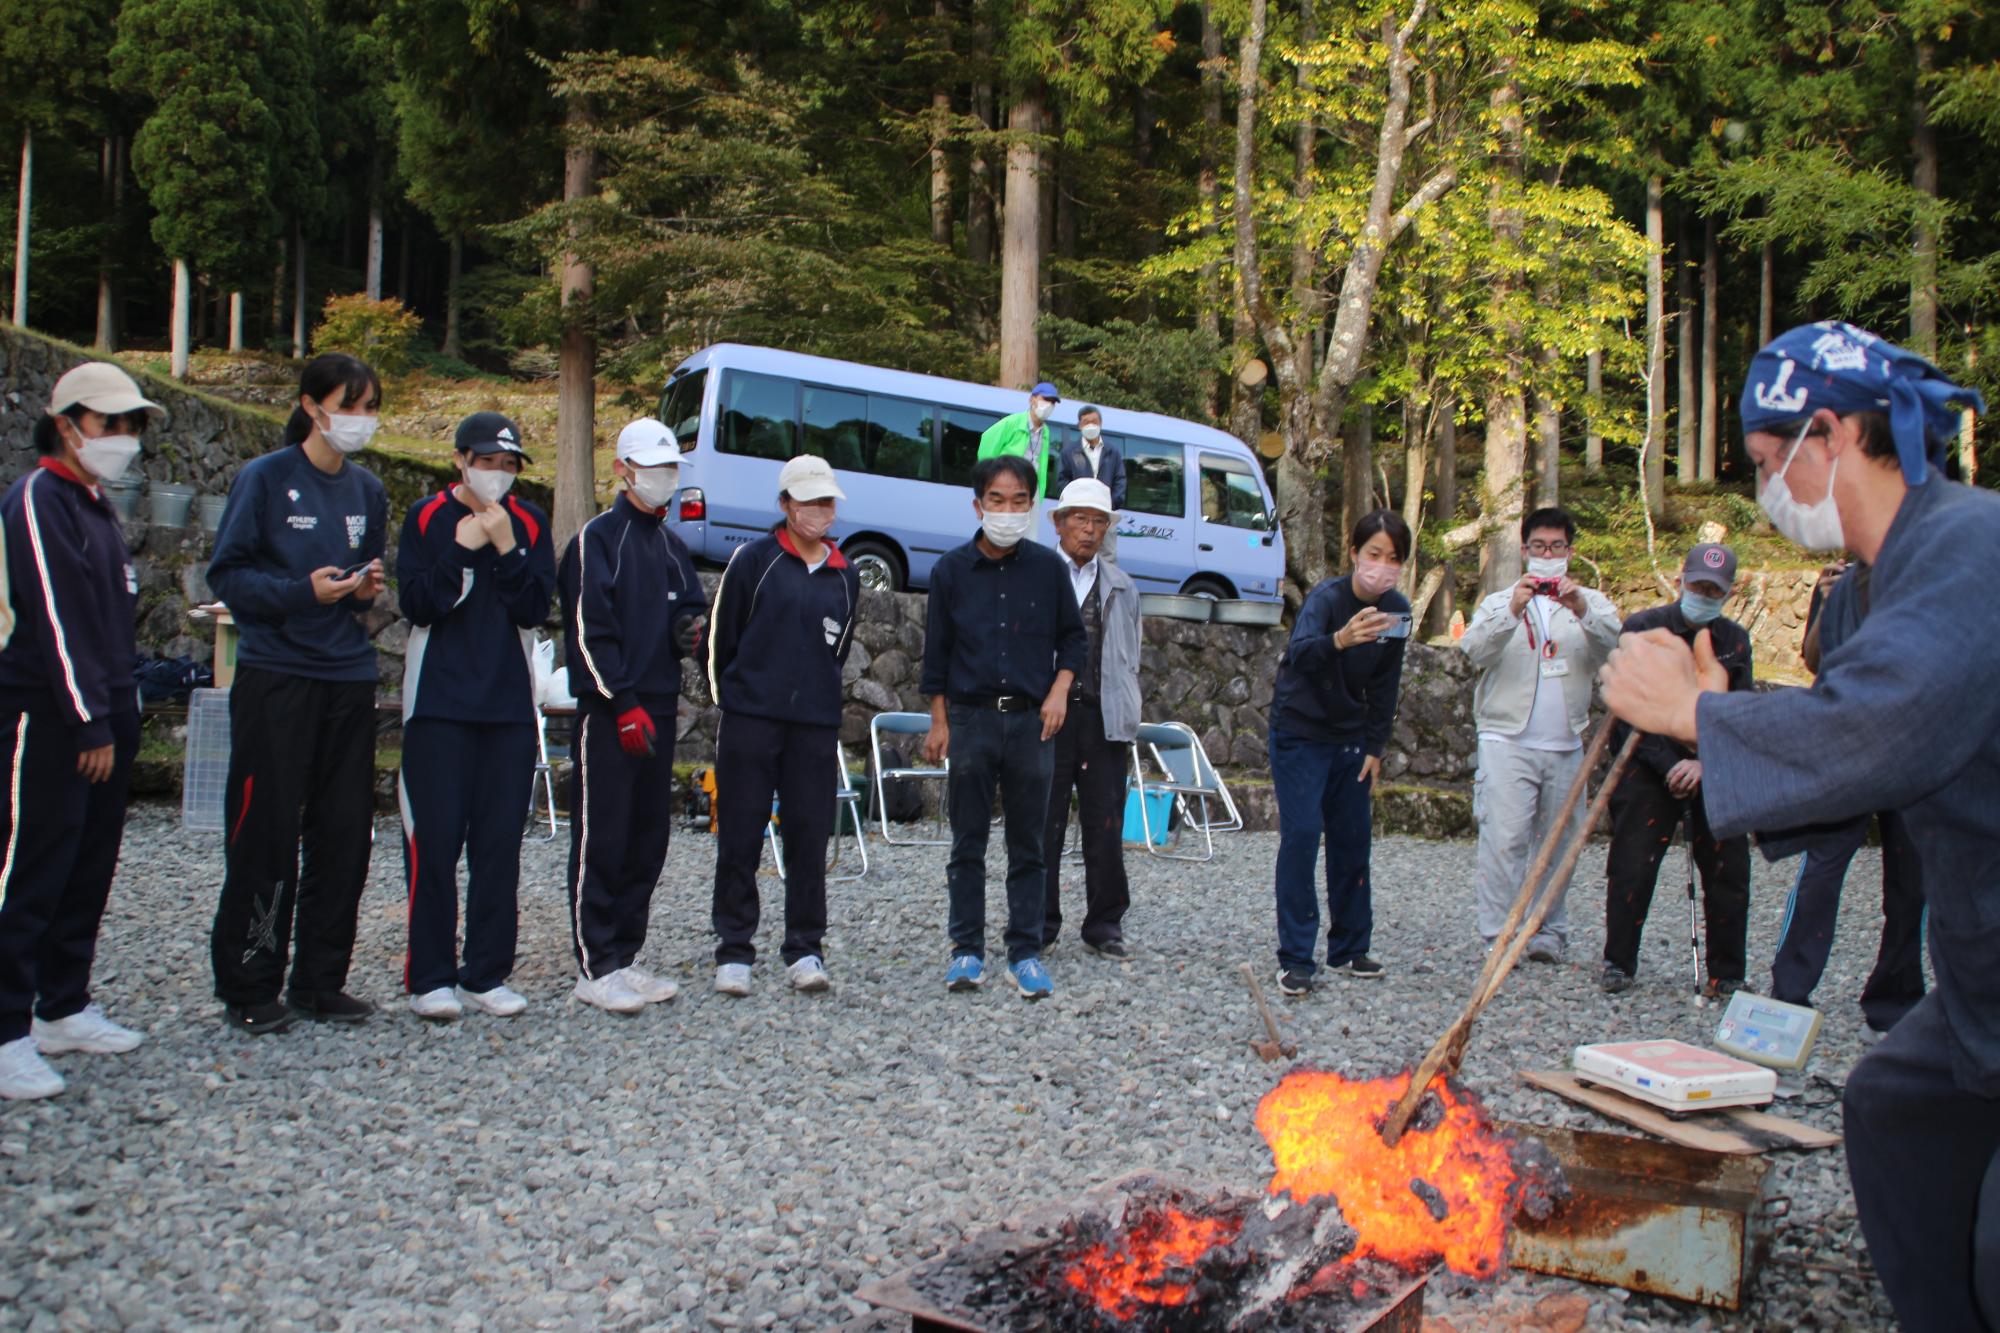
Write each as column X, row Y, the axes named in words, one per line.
column 747, row 1164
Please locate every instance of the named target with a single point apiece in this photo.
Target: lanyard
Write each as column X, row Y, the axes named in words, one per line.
column 1546, row 646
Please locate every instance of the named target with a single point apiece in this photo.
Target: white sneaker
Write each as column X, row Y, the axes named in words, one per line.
column 651, row 989
column 438, row 1005
column 24, row 1074
column 501, row 1002
column 88, row 1031
column 610, row 994
column 732, row 979
column 808, row 974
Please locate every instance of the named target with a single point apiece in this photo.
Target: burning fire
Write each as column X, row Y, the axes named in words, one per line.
column 1443, row 1192
column 1120, row 1279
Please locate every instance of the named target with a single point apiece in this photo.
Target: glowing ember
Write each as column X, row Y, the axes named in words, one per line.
column 1122, row 1278
column 1446, row 1191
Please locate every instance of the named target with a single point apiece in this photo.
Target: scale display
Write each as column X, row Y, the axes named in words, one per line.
column 1767, row 1032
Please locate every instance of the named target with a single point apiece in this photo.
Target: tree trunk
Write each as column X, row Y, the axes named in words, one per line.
column 1048, row 167
column 177, row 362
column 576, row 382
column 940, row 128
column 1711, row 406
column 1506, row 406
column 453, row 268
column 403, row 264
column 374, row 261
column 1208, row 301
column 1593, row 393
column 1685, row 408
column 24, row 209
column 111, row 196
column 1444, row 508
column 1548, row 437
column 1924, row 179
column 1357, row 473
column 979, row 183
column 1020, row 246
column 1767, row 293
column 236, row 321
column 1655, row 448
column 298, row 290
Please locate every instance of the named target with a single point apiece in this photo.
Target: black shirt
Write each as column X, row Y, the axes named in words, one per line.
column 1003, row 626
column 1335, row 697
column 1732, row 649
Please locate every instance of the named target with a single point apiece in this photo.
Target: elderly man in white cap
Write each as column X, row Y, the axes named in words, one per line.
column 69, row 723
column 782, row 627
column 1091, row 748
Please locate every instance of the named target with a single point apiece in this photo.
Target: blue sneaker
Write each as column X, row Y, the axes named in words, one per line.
column 1032, row 978
column 965, row 973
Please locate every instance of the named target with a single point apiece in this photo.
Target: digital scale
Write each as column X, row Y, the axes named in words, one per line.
column 1757, row 1038
column 1675, row 1076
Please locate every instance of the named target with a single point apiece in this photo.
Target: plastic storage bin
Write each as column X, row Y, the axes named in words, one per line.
column 206, row 771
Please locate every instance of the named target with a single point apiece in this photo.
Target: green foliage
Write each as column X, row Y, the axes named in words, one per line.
column 382, row 333
column 1152, row 367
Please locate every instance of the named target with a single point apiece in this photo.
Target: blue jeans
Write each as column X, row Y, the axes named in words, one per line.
column 1006, row 751
column 1317, row 793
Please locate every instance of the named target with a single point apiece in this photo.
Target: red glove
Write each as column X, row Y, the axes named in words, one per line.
column 636, row 732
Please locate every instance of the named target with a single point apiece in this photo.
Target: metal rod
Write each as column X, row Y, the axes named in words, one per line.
column 1444, row 1055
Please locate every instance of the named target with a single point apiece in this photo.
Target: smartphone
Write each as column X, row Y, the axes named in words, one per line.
column 352, row 570
column 1399, row 625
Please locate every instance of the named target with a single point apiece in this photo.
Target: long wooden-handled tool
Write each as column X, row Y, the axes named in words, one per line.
column 1531, row 907
column 1271, row 1046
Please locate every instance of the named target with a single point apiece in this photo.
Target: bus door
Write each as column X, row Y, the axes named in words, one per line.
column 1233, row 537
column 1155, row 536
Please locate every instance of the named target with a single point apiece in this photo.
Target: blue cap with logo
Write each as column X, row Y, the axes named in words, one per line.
column 1045, row 390
column 1841, row 368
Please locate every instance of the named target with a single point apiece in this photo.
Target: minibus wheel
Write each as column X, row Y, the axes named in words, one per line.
column 1213, row 589
column 876, row 564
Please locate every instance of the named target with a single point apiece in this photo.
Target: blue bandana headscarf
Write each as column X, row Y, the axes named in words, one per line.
column 1844, row 369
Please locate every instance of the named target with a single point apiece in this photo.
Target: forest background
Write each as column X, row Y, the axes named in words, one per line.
column 1458, row 257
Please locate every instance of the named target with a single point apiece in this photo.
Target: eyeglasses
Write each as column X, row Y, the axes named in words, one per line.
column 1548, row 548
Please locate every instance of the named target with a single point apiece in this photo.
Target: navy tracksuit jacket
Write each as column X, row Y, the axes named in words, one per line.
column 65, row 687
column 469, row 718
column 627, row 582
column 777, row 642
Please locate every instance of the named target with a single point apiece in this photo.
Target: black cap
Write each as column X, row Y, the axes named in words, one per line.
column 490, row 433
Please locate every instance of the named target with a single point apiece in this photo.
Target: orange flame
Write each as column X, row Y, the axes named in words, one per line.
column 1121, row 1280
column 1324, row 1137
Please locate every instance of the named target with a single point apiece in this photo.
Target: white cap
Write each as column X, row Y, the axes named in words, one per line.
column 1085, row 493
column 101, row 387
column 648, row 443
column 809, row 477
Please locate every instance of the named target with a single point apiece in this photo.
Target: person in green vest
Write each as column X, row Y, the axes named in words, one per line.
column 1026, row 434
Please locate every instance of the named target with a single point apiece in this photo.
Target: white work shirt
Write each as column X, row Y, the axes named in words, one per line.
column 1082, row 578
column 1548, row 722
column 1093, row 455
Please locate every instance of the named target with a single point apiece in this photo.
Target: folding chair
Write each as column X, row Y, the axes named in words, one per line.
column 902, row 724
column 847, row 802
column 1178, row 755
column 544, row 784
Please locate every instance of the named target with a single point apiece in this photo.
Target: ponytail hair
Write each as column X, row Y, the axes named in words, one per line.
column 356, row 380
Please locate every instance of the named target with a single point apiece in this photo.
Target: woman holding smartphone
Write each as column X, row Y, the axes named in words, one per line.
column 1330, row 718
column 298, row 561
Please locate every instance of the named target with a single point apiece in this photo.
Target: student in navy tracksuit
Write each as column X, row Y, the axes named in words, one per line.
column 779, row 636
column 632, row 609
column 69, row 723
column 474, row 575
column 298, row 560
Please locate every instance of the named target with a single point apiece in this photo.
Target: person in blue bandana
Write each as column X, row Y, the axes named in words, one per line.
column 1848, row 434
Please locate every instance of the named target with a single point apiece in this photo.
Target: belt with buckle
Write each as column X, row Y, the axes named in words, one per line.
column 999, row 703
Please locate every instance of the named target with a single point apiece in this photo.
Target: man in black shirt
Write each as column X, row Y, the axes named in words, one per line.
column 1003, row 643
column 1662, row 790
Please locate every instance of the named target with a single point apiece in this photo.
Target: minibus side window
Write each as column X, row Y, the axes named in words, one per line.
column 835, row 422
column 680, row 408
column 1154, row 478
column 899, row 438
column 960, row 441
column 1230, row 495
column 758, row 416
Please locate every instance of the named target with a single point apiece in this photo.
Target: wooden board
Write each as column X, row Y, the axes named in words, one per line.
column 1737, row 1130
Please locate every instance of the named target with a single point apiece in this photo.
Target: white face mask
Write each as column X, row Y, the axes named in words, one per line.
column 349, row 432
column 1548, row 566
column 1090, row 433
column 108, row 456
column 1040, row 408
column 654, row 486
column 1005, row 530
column 1815, row 526
column 489, row 483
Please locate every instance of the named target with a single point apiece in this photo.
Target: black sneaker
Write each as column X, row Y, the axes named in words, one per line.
column 1293, row 982
column 259, row 1019
column 1365, row 966
column 1614, row 980
column 340, row 1007
column 1721, row 988
column 1109, row 949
